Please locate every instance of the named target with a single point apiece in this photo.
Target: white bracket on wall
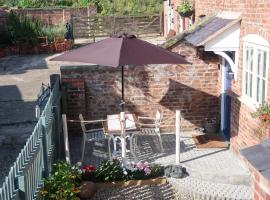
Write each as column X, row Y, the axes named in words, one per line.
column 234, row 65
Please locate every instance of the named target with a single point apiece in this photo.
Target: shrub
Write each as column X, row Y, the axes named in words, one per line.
column 63, row 182
column 110, row 171
column 185, row 7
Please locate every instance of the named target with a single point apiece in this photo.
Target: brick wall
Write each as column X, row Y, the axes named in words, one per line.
column 96, row 91
column 176, row 15
column 245, row 130
column 54, row 16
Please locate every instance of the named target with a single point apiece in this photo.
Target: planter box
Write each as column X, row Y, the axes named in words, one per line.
column 154, row 181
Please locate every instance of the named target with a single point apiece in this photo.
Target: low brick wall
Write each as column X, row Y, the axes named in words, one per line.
column 95, row 91
column 52, row 16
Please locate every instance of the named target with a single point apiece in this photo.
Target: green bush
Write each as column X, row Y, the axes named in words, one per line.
column 109, row 171
column 51, row 31
column 63, row 182
column 185, row 7
column 23, row 29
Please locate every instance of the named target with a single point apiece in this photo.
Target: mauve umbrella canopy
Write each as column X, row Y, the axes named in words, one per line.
column 121, row 50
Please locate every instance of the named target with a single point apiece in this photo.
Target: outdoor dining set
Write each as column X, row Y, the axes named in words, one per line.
column 111, row 129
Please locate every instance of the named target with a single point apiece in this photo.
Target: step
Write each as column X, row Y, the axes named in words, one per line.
column 204, row 190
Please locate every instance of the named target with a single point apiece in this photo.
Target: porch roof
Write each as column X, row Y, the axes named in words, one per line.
column 218, row 25
column 208, row 29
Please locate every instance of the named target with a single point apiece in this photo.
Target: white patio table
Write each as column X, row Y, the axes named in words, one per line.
column 112, row 128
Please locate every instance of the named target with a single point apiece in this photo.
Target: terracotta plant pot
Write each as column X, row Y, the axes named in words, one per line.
column 87, row 189
column 2, row 52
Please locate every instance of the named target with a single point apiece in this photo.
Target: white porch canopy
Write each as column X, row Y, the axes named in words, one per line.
column 220, row 35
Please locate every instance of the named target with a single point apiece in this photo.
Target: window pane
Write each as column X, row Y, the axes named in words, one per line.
column 246, row 83
column 258, row 90
column 263, row 91
column 246, row 57
column 250, row 85
column 259, row 62
column 264, row 63
column 251, row 60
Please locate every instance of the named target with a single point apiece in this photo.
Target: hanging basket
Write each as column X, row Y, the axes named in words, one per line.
column 186, row 14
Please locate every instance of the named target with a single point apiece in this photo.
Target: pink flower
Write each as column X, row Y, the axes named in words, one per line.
column 140, row 165
column 147, row 171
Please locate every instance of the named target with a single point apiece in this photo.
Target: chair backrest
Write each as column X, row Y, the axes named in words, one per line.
column 159, row 117
column 82, row 124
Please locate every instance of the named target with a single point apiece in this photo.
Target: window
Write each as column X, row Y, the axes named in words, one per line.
column 255, row 67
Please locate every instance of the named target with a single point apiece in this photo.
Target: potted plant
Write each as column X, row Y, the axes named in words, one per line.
column 63, row 183
column 186, row 8
column 263, row 114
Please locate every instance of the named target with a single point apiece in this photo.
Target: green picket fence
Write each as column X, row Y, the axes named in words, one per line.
column 35, row 160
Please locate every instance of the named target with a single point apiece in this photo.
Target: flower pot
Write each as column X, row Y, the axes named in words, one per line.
column 2, row 52
column 186, row 14
column 87, row 189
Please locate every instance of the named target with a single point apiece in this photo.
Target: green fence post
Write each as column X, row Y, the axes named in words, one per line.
column 44, row 145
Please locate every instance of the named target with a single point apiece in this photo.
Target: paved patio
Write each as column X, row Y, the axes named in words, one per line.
column 213, row 173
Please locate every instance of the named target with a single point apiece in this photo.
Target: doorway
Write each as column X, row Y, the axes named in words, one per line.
column 227, row 77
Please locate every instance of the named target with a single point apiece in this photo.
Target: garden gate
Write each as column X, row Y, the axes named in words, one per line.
column 43, row 147
column 103, row 26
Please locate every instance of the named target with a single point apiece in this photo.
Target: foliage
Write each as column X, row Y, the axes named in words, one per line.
column 105, row 7
column 129, row 7
column 110, row 171
column 185, row 7
column 51, row 31
column 63, row 182
column 263, row 113
column 25, row 30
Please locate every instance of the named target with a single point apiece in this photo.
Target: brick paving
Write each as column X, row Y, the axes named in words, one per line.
column 213, row 173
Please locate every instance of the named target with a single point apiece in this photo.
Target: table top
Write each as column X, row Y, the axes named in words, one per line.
column 113, row 124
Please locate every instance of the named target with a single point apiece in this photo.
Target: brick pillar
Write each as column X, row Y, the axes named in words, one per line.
column 75, row 101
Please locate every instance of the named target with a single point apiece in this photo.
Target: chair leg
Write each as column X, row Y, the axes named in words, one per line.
column 160, row 141
column 109, row 147
column 83, row 149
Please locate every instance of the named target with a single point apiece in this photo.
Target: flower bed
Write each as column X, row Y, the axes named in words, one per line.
column 68, row 182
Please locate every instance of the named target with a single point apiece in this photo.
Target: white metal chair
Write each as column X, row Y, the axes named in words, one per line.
column 96, row 135
column 152, row 123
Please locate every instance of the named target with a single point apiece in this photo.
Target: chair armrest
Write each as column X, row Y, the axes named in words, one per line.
column 141, row 117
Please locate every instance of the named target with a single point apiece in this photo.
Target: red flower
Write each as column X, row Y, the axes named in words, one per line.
column 89, row 168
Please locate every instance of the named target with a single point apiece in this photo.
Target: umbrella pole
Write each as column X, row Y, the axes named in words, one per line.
column 123, row 92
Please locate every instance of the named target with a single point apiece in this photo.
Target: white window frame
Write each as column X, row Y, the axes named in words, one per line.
column 256, row 43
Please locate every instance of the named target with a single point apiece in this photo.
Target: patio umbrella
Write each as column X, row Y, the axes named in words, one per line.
column 121, row 50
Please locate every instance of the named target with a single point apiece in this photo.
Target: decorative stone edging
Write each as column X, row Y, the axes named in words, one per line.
column 154, row 181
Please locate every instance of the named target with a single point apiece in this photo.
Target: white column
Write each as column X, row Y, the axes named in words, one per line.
column 123, row 137
column 177, row 133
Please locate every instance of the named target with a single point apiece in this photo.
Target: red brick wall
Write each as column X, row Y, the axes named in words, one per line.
column 245, row 130
column 191, row 88
column 55, row 16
